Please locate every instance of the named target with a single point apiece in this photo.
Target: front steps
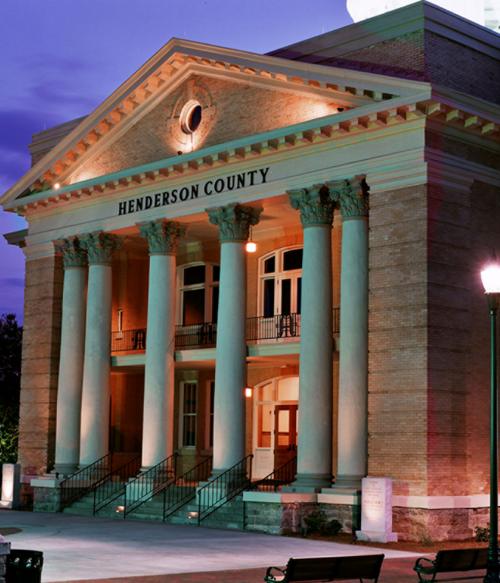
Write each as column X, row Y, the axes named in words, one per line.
column 228, row 516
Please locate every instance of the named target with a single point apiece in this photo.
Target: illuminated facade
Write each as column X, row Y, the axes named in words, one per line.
column 362, row 164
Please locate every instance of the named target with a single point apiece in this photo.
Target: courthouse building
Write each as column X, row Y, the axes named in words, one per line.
column 363, row 164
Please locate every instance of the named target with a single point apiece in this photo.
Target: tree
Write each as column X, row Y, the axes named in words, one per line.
column 10, row 386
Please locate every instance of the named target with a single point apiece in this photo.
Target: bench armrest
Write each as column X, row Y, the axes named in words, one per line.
column 424, row 563
column 270, row 577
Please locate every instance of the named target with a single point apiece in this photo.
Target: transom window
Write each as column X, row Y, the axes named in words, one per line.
column 199, row 293
column 281, row 282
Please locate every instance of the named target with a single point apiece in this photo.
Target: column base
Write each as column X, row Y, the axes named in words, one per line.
column 65, row 469
column 348, row 482
column 309, row 483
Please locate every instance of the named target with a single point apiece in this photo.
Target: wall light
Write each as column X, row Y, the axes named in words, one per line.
column 248, row 392
column 57, row 186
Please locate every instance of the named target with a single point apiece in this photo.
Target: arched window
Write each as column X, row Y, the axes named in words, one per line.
column 280, row 287
column 198, row 293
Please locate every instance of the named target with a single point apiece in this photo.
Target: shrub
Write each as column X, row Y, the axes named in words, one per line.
column 317, row 522
column 482, row 534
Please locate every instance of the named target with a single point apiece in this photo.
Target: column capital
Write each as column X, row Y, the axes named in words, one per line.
column 99, row 247
column 234, row 221
column 316, row 205
column 162, row 236
column 352, row 195
column 72, row 253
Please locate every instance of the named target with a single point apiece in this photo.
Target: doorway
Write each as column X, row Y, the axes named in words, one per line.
column 275, row 424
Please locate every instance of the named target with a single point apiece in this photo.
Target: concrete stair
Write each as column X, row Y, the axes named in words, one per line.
column 85, row 507
column 229, row 516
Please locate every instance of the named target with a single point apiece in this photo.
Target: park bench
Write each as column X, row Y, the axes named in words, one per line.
column 327, row 569
column 455, row 560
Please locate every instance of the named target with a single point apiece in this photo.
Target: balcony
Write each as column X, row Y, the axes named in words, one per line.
column 281, row 328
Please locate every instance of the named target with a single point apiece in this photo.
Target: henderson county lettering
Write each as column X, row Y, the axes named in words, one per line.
column 208, row 188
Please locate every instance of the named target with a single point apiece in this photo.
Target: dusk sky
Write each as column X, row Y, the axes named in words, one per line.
column 61, row 58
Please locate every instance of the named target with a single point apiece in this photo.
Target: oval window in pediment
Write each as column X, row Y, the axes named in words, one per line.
column 191, row 115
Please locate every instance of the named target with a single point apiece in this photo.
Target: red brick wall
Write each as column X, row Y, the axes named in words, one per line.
column 40, row 360
column 397, row 380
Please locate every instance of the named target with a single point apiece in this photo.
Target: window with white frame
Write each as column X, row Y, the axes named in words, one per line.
column 188, row 410
column 280, row 289
column 198, row 293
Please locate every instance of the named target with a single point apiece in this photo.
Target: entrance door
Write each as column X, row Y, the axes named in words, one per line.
column 285, row 434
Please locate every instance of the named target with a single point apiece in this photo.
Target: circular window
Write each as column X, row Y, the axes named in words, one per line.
column 191, row 117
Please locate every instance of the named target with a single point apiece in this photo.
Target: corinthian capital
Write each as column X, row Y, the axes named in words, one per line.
column 99, row 247
column 162, row 236
column 352, row 195
column 72, row 253
column 315, row 204
column 234, row 221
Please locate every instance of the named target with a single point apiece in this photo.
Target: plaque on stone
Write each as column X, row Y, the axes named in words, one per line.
column 376, row 510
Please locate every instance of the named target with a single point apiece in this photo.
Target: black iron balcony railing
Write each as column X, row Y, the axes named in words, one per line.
column 204, row 335
column 128, row 340
column 283, row 327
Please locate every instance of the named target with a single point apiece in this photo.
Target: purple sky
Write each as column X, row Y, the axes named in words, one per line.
column 60, row 58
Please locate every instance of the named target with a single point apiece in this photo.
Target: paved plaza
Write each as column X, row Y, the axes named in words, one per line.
column 93, row 549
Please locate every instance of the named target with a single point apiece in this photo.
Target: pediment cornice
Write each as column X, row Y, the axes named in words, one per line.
column 357, row 122
column 168, row 68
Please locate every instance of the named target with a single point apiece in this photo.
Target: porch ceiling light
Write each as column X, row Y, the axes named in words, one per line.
column 251, row 246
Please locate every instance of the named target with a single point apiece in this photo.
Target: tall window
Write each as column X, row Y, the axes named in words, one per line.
column 199, row 293
column 188, row 414
column 281, row 282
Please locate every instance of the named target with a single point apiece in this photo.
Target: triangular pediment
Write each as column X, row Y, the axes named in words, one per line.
column 230, row 109
column 183, row 69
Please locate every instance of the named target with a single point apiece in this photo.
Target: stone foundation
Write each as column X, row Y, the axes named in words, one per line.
column 277, row 518
column 450, row 524
column 284, row 513
column 349, row 516
column 46, row 495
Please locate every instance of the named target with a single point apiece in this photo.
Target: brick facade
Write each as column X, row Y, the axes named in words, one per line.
column 40, row 360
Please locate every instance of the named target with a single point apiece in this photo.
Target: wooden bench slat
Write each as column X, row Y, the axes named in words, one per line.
column 322, row 569
column 450, row 561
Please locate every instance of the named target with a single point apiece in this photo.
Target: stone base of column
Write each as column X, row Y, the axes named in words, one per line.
column 348, row 482
column 309, row 483
column 64, row 470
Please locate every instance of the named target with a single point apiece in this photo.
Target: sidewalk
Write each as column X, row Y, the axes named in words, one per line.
column 79, row 548
column 94, row 550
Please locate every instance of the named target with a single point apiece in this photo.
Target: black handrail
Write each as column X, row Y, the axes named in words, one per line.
column 183, row 490
column 224, row 487
column 112, row 486
column 149, row 483
column 284, row 474
column 83, row 481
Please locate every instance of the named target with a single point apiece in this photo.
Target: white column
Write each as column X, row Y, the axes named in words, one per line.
column 314, row 453
column 94, row 428
column 69, row 387
column 158, row 419
column 234, row 222
column 353, row 349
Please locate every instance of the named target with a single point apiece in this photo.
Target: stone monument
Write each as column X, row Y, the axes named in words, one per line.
column 376, row 511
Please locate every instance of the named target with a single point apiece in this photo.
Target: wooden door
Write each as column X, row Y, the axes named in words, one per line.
column 285, row 434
